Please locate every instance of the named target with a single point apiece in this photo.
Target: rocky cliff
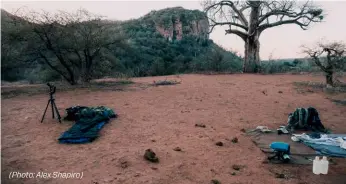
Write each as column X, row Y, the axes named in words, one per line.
column 175, row 23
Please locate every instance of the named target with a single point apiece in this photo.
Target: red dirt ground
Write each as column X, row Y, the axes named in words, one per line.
column 162, row 118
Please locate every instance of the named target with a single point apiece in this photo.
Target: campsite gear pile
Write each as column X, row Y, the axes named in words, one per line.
column 281, row 151
column 89, row 121
column 298, row 148
column 305, row 119
column 320, row 166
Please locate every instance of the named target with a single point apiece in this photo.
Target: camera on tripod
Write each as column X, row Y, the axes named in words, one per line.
column 52, row 88
column 51, row 101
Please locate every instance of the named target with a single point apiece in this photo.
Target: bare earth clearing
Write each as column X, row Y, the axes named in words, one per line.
column 162, row 118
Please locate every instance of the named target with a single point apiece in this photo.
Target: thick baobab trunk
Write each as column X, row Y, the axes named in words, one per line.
column 329, row 78
column 252, row 45
column 251, row 60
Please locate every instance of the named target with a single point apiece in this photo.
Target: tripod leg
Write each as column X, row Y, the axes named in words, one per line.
column 57, row 112
column 52, row 102
column 45, row 111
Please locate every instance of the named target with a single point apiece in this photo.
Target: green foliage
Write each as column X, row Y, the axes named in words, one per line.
column 288, row 65
column 145, row 53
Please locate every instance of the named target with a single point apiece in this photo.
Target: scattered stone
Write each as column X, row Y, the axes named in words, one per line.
column 124, row 164
column 151, row 156
column 266, row 161
column 264, row 92
column 153, row 140
column 236, row 167
column 219, row 143
column 137, row 174
column 279, row 175
column 279, row 91
column 215, row 181
column 177, row 149
column 235, row 140
column 154, row 168
column 276, row 102
column 243, row 130
column 200, row 125
column 233, row 173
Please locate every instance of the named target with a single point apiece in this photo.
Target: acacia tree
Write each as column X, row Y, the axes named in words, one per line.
column 248, row 19
column 330, row 57
column 69, row 43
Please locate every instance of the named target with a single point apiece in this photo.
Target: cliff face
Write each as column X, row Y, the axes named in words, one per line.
column 175, row 23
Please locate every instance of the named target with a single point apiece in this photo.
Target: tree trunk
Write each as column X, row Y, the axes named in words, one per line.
column 329, row 78
column 252, row 45
column 251, row 60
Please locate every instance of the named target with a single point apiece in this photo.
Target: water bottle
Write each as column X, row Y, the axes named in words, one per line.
column 316, row 166
column 324, row 165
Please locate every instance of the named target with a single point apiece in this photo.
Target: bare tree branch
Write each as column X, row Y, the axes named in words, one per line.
column 286, row 12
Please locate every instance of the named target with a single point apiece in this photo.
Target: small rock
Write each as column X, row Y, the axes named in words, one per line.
column 151, row 156
column 200, row 125
column 279, row 175
column 154, row 168
column 177, row 149
column 153, row 140
column 265, row 161
column 233, row 173
column 276, row 102
column 243, row 130
column 236, row 167
column 215, row 181
column 264, row 92
column 279, row 91
column 235, row 140
column 124, row 164
column 219, row 143
column 137, row 174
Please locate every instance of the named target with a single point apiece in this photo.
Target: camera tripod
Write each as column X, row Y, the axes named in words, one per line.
column 52, row 102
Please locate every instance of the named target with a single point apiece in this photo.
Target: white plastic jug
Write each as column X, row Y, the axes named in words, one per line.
column 316, row 169
column 324, row 165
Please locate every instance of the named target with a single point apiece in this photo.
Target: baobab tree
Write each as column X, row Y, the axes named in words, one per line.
column 330, row 57
column 248, row 19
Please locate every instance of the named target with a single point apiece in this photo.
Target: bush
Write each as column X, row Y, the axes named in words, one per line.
column 286, row 65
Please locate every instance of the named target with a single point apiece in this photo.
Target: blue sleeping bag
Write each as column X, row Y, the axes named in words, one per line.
column 89, row 122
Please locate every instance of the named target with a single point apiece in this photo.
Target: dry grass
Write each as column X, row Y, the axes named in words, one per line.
column 166, row 82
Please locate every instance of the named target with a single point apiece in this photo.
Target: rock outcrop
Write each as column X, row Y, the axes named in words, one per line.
column 175, row 23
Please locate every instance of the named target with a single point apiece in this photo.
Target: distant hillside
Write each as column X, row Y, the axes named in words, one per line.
column 168, row 41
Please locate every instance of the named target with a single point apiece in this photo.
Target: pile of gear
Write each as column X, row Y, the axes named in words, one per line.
column 89, row 121
column 303, row 119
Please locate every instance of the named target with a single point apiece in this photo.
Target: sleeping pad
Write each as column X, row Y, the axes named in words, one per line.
column 89, row 121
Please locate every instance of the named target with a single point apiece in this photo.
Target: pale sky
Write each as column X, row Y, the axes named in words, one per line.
column 280, row 42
